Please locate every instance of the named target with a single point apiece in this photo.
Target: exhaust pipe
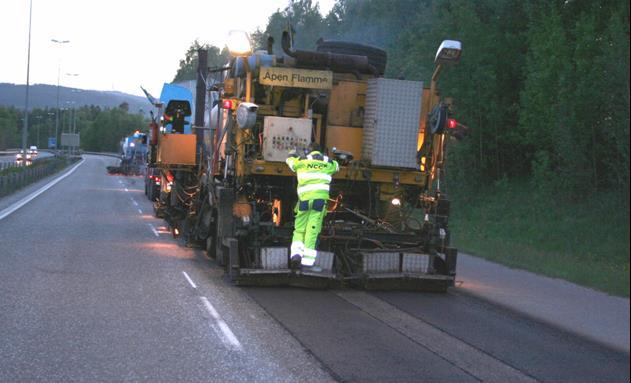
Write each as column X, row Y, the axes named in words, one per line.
column 325, row 60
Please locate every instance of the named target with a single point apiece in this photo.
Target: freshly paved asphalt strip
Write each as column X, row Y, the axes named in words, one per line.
column 411, row 337
column 535, row 348
column 88, row 293
column 466, row 357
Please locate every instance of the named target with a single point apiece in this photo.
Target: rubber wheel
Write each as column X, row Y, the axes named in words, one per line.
column 150, row 191
column 438, row 119
column 211, row 247
column 439, row 266
column 376, row 57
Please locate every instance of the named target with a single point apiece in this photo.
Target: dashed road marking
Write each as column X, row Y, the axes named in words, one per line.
column 155, row 232
column 126, row 189
column 190, row 281
column 139, row 211
column 134, row 202
column 226, row 335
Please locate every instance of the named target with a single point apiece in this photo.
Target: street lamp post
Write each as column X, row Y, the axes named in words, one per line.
column 70, row 107
column 38, row 125
column 28, row 72
column 60, row 42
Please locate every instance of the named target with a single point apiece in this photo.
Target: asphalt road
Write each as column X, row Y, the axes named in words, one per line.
column 94, row 288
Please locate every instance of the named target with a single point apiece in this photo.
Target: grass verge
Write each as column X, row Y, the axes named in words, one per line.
column 585, row 242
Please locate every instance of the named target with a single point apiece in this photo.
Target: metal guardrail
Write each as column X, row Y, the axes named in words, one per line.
column 109, row 154
column 15, row 164
column 7, row 165
column 16, row 180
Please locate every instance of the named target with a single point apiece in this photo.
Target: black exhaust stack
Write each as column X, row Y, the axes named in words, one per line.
column 325, row 60
column 200, row 97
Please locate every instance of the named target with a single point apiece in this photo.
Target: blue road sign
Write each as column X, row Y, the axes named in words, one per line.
column 52, row 142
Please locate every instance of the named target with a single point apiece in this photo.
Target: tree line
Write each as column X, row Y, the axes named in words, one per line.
column 101, row 129
column 542, row 85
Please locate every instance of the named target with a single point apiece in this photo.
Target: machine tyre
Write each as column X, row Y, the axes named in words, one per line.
column 439, row 266
column 149, row 192
column 211, row 246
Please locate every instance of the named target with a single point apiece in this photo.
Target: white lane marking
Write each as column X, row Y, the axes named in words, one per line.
column 193, row 285
column 120, row 182
column 139, row 211
column 226, row 334
column 155, row 232
column 6, row 212
column 126, row 189
column 134, row 202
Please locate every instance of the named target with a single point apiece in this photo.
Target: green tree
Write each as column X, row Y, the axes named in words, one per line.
column 9, row 134
column 544, row 114
column 306, row 21
column 105, row 132
column 188, row 65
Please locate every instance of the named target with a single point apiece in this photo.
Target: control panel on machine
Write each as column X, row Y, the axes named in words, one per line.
column 283, row 134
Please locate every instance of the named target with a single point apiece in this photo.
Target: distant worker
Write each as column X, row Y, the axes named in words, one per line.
column 314, row 172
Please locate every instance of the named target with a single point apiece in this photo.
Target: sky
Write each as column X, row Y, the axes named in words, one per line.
column 115, row 44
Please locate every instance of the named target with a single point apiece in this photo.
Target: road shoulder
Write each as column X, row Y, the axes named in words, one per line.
column 588, row 313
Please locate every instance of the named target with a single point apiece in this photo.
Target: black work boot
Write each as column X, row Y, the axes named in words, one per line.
column 294, row 262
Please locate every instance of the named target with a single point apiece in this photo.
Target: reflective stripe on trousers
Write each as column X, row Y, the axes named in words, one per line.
column 309, row 258
column 308, row 188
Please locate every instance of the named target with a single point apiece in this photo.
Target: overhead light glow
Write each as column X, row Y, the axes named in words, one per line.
column 239, row 43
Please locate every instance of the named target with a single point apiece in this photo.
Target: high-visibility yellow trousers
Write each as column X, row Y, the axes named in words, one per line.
column 307, row 226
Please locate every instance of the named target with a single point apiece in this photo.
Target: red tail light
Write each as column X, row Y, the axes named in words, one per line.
column 452, row 123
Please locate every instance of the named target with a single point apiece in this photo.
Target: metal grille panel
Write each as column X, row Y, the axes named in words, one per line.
column 274, row 258
column 380, row 262
column 414, row 262
column 391, row 122
column 324, row 260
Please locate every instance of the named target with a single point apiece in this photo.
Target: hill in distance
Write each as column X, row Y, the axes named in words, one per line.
column 45, row 96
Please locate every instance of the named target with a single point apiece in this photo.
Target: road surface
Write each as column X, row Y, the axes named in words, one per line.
column 94, row 288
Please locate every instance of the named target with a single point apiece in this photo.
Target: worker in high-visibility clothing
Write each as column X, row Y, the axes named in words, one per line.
column 314, row 172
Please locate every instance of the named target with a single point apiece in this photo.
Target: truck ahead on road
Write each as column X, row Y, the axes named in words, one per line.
column 225, row 186
column 133, row 155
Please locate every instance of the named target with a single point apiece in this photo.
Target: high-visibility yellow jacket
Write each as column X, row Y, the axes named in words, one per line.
column 314, row 175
